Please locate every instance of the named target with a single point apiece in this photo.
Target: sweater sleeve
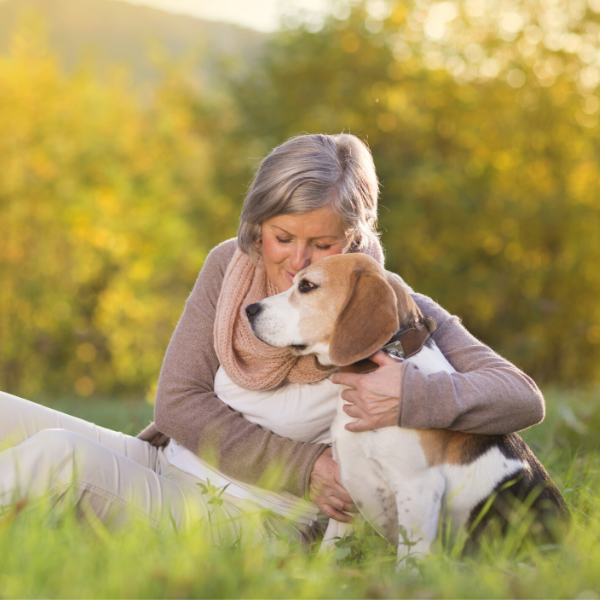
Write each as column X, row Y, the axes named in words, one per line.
column 487, row 394
column 188, row 410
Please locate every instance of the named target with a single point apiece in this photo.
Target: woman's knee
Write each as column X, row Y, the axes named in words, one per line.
column 39, row 464
column 55, row 459
column 58, row 440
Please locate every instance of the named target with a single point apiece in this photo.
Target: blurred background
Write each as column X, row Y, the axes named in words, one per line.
column 129, row 133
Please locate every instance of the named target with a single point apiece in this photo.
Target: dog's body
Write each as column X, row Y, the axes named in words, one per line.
column 343, row 309
column 402, row 479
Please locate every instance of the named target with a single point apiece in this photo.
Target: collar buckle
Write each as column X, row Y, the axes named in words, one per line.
column 394, row 349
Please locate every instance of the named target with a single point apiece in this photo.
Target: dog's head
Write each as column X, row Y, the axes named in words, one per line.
column 342, row 308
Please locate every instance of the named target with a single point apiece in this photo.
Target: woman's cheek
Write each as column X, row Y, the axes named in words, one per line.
column 272, row 251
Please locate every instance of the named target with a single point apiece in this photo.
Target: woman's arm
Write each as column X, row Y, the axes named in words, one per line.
column 188, row 410
column 486, row 395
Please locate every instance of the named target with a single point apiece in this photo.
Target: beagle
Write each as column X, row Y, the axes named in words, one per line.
column 403, row 481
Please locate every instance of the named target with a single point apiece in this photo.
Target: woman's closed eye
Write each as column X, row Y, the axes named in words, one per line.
column 288, row 240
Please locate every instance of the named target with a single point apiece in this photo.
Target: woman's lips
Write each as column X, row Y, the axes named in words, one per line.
column 290, row 275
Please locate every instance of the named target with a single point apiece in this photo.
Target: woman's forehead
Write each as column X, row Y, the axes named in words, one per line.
column 322, row 222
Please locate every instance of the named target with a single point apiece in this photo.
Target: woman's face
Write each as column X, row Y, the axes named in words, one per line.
column 291, row 242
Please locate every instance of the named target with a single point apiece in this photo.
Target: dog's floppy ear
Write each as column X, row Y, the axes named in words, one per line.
column 429, row 323
column 408, row 311
column 367, row 321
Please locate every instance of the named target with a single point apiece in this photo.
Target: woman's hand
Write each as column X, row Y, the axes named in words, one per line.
column 327, row 491
column 373, row 397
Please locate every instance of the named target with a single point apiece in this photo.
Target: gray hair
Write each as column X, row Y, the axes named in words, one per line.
column 309, row 172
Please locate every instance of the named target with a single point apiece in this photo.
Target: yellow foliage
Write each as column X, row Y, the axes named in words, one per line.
column 485, row 142
column 486, row 146
column 102, row 238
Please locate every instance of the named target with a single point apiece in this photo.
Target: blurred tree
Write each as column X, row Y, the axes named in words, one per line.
column 483, row 120
column 107, row 211
column 482, row 117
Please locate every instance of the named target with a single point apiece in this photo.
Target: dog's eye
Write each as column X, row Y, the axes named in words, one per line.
column 306, row 286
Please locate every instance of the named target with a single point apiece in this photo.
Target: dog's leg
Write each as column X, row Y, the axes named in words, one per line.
column 362, row 476
column 419, row 502
column 372, row 495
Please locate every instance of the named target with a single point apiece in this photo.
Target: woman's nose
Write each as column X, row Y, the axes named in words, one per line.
column 300, row 258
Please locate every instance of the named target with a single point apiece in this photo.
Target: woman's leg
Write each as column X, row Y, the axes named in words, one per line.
column 21, row 419
column 70, row 470
column 47, row 454
column 271, row 525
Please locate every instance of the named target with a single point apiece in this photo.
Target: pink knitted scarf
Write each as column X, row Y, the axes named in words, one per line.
column 249, row 362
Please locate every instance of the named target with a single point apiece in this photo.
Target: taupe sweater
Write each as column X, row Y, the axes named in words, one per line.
column 487, row 394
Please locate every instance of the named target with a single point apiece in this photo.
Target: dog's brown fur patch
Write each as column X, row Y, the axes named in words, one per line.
column 443, row 446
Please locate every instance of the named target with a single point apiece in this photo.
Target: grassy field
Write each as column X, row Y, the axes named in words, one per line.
column 67, row 560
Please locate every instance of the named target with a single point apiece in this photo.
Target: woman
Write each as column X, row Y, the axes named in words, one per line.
column 312, row 197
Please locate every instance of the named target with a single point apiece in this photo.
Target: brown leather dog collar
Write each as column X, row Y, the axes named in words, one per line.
column 403, row 344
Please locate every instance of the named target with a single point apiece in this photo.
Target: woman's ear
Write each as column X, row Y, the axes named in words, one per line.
column 367, row 321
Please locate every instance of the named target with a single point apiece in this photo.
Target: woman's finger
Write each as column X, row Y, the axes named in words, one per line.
column 340, row 504
column 334, row 488
column 354, row 411
column 378, row 421
column 344, row 499
column 325, row 486
column 333, row 513
column 349, row 379
column 349, row 507
column 383, row 358
column 339, row 491
column 334, row 507
column 361, row 425
column 351, row 395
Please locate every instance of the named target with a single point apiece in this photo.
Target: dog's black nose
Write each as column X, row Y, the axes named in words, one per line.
column 252, row 310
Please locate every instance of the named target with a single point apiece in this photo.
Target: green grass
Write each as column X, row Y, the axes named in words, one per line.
column 70, row 560
column 128, row 416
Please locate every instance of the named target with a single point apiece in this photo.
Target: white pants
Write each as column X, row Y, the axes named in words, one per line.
column 50, row 456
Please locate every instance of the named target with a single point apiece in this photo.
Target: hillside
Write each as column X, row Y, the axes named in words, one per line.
column 116, row 32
